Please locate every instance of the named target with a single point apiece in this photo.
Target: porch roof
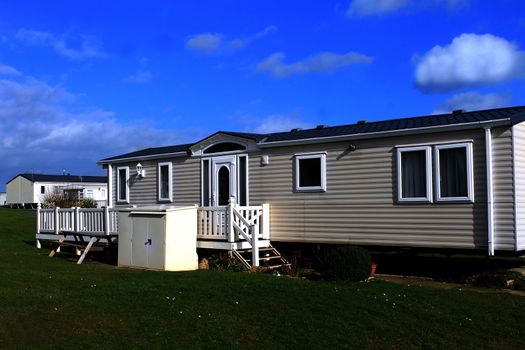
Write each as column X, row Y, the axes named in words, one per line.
column 363, row 129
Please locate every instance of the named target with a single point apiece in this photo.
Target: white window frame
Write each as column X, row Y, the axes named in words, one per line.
column 470, row 173
column 126, row 168
column 170, row 182
column 428, row 155
column 302, row 156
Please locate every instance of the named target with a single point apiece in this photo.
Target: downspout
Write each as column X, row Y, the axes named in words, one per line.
column 110, row 186
column 490, row 192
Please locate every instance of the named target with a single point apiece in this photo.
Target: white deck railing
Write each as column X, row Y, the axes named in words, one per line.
column 235, row 223
column 96, row 221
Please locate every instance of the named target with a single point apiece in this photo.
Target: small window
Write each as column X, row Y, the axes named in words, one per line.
column 224, row 147
column 165, row 181
column 414, row 173
column 42, row 189
column 89, row 194
column 310, row 173
column 454, row 178
column 103, row 193
column 123, row 184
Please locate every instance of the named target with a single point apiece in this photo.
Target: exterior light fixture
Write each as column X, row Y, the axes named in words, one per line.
column 141, row 172
column 352, row 147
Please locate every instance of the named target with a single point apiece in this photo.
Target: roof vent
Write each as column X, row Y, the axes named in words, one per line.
column 296, row 129
column 321, row 126
column 458, row 111
column 361, row 122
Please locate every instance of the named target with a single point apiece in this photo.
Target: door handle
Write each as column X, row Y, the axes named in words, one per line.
column 148, row 242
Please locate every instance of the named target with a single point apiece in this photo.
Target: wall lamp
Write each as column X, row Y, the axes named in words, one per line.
column 352, row 147
column 141, row 172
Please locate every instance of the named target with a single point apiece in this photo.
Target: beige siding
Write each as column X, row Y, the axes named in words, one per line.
column 504, row 233
column 518, row 132
column 20, row 190
column 143, row 191
column 360, row 206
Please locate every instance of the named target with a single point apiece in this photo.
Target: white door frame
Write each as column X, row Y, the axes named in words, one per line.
column 230, row 162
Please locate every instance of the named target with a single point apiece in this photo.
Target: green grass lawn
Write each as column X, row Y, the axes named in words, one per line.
column 53, row 303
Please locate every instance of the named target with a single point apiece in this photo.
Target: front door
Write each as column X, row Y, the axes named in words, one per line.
column 223, row 180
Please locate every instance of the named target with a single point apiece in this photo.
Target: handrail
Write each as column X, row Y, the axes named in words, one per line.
column 98, row 221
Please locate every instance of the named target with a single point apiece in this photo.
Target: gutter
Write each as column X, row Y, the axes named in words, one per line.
column 152, row 156
column 379, row 134
column 490, row 192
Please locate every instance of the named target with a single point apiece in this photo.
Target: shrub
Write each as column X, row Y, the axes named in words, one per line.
column 57, row 199
column 349, row 263
column 500, row 279
column 225, row 262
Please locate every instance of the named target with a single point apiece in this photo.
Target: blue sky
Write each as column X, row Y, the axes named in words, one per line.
column 84, row 80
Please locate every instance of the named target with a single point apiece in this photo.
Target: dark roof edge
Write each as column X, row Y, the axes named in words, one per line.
column 151, row 156
column 388, row 133
column 33, row 181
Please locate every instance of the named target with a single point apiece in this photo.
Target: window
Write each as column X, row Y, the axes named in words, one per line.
column 454, row 178
column 123, row 184
column 42, row 189
column 89, row 194
column 165, row 181
column 103, row 193
column 310, row 172
column 224, row 147
column 414, row 174
column 243, row 180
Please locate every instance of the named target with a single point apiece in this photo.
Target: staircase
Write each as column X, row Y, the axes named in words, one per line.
column 269, row 258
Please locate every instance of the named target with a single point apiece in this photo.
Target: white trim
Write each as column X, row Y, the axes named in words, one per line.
column 490, row 192
column 126, row 168
column 110, row 186
column 379, row 134
column 515, row 204
column 437, row 143
column 470, row 173
column 300, row 156
column 170, row 182
column 428, row 167
column 239, row 179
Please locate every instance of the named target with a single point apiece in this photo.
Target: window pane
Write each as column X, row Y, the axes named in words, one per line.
column 453, row 172
column 164, row 181
column 310, row 172
column 242, row 181
column 413, row 174
column 206, row 183
column 42, row 189
column 122, row 184
column 224, row 185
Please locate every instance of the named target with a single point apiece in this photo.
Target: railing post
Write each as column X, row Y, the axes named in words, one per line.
column 231, row 233
column 56, row 221
column 255, row 245
column 265, row 221
column 77, row 220
column 38, row 206
column 106, row 221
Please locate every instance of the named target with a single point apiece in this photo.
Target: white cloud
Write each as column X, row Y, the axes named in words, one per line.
column 218, row 43
column 77, row 47
column 276, row 123
column 363, row 8
column 205, row 42
column 8, row 70
column 44, row 128
column 471, row 101
column 470, row 60
column 375, row 7
column 322, row 62
column 139, row 77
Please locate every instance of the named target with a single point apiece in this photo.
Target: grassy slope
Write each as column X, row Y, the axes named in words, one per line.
column 51, row 302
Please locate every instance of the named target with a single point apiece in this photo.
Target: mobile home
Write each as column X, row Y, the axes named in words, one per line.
column 440, row 181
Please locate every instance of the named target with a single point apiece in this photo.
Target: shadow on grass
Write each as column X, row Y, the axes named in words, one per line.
column 441, row 267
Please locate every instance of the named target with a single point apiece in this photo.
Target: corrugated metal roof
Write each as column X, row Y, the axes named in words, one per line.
column 513, row 114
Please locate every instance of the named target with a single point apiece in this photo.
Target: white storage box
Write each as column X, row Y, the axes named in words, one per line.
column 158, row 238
